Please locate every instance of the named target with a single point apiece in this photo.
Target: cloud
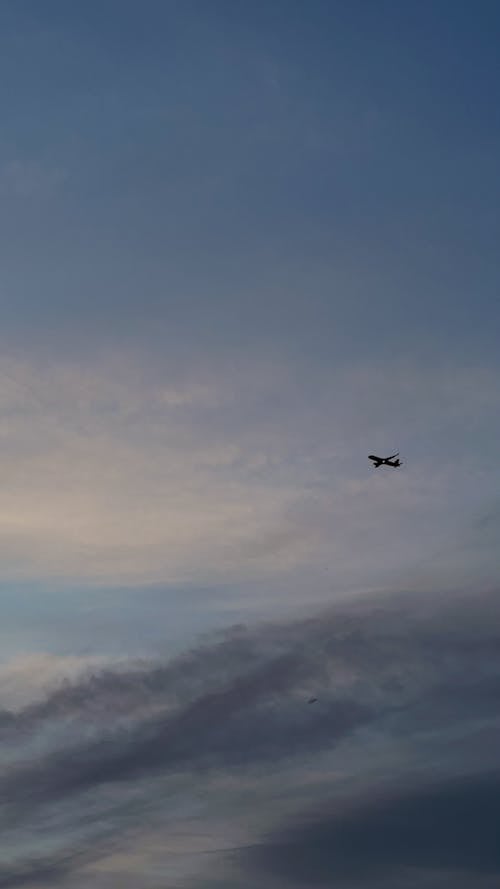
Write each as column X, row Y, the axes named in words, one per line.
column 40, row 871
column 26, row 677
column 393, row 837
column 124, row 472
column 110, row 481
column 229, row 721
column 236, row 724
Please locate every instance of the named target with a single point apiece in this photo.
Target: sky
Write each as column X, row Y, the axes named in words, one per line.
column 243, row 246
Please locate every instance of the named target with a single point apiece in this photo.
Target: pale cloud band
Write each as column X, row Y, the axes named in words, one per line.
column 118, row 473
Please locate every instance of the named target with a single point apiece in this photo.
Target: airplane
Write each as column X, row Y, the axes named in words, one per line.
column 385, row 461
column 312, row 700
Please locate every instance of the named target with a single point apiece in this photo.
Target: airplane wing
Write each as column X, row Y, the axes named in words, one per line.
column 392, row 456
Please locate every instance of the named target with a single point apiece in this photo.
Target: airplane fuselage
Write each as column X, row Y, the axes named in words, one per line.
column 384, row 461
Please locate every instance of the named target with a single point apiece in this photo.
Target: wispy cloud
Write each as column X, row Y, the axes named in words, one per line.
column 25, row 677
column 120, row 473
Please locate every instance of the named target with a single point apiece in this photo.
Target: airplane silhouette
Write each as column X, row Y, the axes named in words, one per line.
column 385, row 461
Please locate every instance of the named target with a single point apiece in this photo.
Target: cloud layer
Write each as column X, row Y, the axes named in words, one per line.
column 402, row 736
column 126, row 472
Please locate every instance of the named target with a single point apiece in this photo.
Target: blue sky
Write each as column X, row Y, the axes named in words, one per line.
column 242, row 246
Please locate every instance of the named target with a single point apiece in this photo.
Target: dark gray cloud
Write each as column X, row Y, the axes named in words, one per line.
column 46, row 870
column 444, row 827
column 414, row 674
column 240, row 723
column 388, row 644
